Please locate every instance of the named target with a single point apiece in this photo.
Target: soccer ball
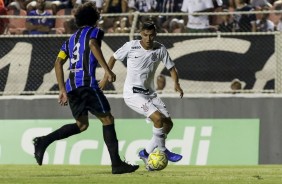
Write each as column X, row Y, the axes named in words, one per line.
column 157, row 160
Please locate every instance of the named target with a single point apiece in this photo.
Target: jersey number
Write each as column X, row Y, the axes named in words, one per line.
column 75, row 53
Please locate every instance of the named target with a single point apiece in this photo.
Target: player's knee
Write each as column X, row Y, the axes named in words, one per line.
column 83, row 128
column 158, row 121
column 82, row 125
column 107, row 120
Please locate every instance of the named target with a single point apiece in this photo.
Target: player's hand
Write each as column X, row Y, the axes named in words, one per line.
column 178, row 89
column 111, row 76
column 63, row 98
column 103, row 83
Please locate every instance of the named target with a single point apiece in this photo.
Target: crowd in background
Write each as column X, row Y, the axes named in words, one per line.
column 166, row 24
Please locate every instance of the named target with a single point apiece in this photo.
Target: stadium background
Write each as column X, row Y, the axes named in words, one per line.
column 223, row 127
column 206, row 64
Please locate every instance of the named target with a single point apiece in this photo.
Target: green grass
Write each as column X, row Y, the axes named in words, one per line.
column 72, row 174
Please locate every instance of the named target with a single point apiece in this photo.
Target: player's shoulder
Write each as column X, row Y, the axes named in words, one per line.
column 93, row 28
column 158, row 45
column 134, row 44
column 101, row 31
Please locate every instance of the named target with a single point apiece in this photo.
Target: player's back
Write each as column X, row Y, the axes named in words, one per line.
column 82, row 61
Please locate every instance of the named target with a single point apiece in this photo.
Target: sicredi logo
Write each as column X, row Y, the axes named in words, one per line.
column 200, row 141
column 185, row 144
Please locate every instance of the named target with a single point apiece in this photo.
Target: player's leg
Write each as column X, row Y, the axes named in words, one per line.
column 157, row 140
column 41, row 143
column 164, row 116
column 77, row 106
column 158, row 130
column 99, row 106
column 143, row 105
column 162, row 121
column 111, row 141
column 110, row 138
column 166, row 120
column 159, row 136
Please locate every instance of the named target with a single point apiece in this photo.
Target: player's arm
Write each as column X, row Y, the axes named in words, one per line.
column 175, row 78
column 96, row 50
column 60, row 61
column 104, row 81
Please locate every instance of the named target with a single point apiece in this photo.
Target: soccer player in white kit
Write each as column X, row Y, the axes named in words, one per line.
column 143, row 57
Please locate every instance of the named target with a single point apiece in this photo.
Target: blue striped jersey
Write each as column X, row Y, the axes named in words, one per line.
column 82, row 62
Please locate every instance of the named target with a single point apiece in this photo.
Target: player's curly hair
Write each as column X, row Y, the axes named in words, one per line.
column 87, row 14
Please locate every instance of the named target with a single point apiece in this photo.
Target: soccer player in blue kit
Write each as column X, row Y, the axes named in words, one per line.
column 81, row 90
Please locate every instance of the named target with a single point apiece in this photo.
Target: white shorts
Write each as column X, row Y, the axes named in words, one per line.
column 146, row 105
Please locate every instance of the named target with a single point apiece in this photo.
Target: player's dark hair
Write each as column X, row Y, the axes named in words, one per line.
column 86, row 14
column 149, row 25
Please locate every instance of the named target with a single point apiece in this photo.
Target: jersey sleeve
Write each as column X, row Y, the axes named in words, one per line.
column 63, row 54
column 97, row 34
column 122, row 52
column 166, row 59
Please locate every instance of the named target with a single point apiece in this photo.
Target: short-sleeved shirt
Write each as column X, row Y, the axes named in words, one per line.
column 40, row 21
column 82, row 62
column 141, row 66
column 192, row 6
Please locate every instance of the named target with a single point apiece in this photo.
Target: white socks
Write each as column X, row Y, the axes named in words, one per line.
column 158, row 140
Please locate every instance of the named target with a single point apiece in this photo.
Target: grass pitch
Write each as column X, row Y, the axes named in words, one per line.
column 72, row 174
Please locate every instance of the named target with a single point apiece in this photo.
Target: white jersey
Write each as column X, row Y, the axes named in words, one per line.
column 192, row 6
column 141, row 66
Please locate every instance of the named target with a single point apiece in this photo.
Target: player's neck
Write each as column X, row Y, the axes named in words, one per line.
column 146, row 47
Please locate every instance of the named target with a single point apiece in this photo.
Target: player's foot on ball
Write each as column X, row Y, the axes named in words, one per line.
column 124, row 168
column 173, row 157
column 144, row 156
column 39, row 149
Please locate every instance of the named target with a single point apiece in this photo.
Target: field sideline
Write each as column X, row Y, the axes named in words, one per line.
column 66, row 174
